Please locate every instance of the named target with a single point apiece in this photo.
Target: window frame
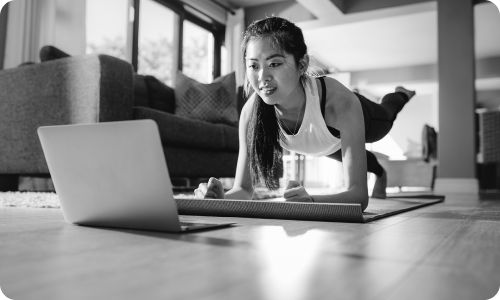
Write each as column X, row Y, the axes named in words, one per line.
column 217, row 29
column 3, row 32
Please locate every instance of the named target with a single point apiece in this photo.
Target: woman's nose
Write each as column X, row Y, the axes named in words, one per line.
column 264, row 74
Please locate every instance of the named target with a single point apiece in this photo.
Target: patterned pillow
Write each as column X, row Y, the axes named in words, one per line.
column 214, row 102
column 49, row 52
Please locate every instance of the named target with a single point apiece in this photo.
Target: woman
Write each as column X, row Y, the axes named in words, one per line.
column 314, row 116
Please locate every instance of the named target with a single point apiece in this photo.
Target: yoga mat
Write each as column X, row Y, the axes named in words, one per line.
column 381, row 208
column 377, row 208
column 330, row 212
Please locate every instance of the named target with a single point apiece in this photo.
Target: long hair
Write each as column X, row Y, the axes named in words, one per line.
column 264, row 150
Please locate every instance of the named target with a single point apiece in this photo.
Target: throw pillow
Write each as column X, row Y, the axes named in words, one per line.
column 50, row 52
column 214, row 102
column 161, row 96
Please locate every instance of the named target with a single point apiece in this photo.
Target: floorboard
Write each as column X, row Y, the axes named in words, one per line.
column 445, row 251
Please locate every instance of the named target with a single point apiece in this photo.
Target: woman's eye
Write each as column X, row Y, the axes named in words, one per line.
column 252, row 67
column 274, row 64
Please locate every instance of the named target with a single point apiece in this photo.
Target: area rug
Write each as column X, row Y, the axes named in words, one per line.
column 29, row 200
column 274, row 209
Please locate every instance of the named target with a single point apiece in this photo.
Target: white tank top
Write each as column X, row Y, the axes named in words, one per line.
column 313, row 137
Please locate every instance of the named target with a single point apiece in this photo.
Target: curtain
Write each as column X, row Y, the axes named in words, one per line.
column 22, row 38
column 235, row 26
column 69, row 32
column 32, row 24
column 3, row 27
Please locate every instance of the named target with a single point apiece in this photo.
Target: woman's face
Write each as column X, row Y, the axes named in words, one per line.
column 272, row 73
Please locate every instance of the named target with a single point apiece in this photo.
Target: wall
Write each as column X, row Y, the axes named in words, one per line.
column 69, row 30
column 354, row 6
column 488, row 98
column 457, row 132
column 286, row 9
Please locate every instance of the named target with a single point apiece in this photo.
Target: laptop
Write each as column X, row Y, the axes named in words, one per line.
column 113, row 174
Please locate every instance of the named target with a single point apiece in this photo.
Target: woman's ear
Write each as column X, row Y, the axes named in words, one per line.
column 304, row 64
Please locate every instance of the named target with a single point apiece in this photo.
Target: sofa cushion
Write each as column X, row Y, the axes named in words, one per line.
column 177, row 131
column 214, row 102
column 141, row 96
column 197, row 162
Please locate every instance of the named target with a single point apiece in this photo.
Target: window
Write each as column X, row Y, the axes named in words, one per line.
column 158, row 37
column 107, row 32
column 157, row 41
column 197, row 52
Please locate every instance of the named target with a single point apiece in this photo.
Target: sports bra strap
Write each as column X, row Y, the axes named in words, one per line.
column 332, row 130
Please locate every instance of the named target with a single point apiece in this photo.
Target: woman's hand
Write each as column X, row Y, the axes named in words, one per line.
column 294, row 192
column 211, row 190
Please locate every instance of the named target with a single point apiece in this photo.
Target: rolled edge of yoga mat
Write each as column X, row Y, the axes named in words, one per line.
column 340, row 212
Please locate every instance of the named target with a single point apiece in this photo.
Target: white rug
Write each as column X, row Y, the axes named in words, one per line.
column 51, row 200
column 29, row 199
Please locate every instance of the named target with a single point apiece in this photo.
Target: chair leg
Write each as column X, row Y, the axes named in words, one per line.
column 434, row 174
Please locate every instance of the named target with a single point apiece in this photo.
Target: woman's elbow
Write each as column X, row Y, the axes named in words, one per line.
column 239, row 193
column 364, row 202
column 361, row 197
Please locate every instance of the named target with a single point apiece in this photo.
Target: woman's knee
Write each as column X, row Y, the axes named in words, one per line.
column 377, row 130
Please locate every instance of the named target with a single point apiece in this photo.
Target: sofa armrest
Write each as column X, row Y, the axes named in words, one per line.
column 79, row 89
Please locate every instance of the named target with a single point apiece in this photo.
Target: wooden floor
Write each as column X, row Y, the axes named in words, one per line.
column 445, row 251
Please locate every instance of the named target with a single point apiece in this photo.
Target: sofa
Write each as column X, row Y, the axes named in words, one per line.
column 101, row 88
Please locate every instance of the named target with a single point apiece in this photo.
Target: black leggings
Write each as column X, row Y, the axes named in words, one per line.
column 378, row 122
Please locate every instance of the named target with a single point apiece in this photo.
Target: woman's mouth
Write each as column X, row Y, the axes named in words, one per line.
column 268, row 90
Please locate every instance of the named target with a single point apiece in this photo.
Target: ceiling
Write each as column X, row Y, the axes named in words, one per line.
column 250, row 3
column 384, row 38
column 395, row 40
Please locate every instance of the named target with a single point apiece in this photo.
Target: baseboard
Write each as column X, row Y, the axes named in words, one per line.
column 8, row 182
column 35, row 184
column 456, row 185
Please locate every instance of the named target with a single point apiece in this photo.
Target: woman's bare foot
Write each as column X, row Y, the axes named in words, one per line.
column 405, row 91
column 379, row 187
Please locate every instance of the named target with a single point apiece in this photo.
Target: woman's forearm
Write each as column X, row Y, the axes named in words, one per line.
column 238, row 193
column 351, row 196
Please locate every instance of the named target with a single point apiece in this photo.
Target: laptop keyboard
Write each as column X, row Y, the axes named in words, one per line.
column 185, row 225
column 188, row 224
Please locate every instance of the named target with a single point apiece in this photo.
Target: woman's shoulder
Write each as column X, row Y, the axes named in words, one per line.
column 337, row 94
column 340, row 102
column 335, row 88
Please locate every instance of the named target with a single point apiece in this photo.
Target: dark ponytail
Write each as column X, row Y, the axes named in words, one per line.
column 264, row 150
